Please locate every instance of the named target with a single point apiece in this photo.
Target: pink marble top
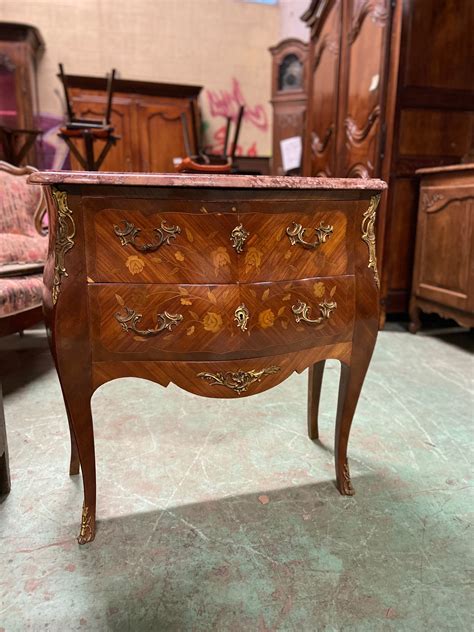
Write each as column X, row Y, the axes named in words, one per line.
column 192, row 180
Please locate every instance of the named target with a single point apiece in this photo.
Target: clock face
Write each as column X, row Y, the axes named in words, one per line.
column 290, row 76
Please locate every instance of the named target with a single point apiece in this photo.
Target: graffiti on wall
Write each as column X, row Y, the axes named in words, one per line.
column 226, row 104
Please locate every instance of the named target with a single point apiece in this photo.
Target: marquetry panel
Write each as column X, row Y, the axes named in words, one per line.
column 196, row 247
column 200, row 318
column 297, row 314
column 164, row 321
column 271, row 254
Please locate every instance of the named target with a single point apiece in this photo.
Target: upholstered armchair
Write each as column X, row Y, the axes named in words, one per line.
column 23, row 248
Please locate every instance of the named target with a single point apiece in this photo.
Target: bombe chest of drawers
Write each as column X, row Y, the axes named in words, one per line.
column 223, row 285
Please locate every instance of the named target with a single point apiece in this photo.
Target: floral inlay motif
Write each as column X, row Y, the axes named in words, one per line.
column 319, row 289
column 253, row 259
column 212, row 321
column 135, row 264
column 220, row 258
column 266, row 319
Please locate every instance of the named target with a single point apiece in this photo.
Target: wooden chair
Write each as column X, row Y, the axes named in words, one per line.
column 89, row 130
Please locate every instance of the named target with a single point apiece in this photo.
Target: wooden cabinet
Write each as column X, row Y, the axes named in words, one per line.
column 21, row 45
column 289, row 95
column 146, row 116
column 443, row 277
column 391, row 90
column 223, row 285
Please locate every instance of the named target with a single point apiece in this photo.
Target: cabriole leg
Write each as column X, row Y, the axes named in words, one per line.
column 78, row 405
column 350, row 385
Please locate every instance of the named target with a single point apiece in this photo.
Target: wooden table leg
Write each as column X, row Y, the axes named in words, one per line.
column 350, row 385
column 5, row 485
column 77, row 398
column 415, row 321
column 315, row 379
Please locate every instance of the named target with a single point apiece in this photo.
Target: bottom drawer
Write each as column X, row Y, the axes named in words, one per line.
column 233, row 378
column 166, row 322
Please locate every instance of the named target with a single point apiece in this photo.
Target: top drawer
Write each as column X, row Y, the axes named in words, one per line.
column 168, row 241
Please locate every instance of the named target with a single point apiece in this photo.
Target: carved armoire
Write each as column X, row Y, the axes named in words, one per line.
column 391, row 90
column 289, row 94
column 21, row 46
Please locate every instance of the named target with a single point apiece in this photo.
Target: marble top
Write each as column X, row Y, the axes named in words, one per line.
column 202, row 180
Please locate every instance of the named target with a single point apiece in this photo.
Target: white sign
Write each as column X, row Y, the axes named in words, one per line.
column 291, row 150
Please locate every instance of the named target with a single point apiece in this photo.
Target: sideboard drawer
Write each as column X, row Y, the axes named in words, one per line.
column 165, row 321
column 160, row 247
column 146, row 319
column 294, row 245
column 202, row 246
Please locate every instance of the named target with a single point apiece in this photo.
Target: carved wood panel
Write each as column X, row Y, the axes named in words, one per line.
column 444, row 244
column 161, row 135
column 363, row 51
column 320, row 142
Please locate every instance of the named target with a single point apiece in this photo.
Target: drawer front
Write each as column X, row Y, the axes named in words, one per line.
column 210, row 322
column 196, row 241
column 153, row 319
column 160, row 247
column 297, row 314
column 293, row 245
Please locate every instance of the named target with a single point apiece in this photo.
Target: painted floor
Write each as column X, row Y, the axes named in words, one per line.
column 223, row 515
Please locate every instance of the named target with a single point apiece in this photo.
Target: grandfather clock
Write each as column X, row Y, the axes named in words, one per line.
column 289, row 94
column 20, row 47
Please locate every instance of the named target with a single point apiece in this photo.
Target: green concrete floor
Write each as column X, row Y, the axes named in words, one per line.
column 223, row 515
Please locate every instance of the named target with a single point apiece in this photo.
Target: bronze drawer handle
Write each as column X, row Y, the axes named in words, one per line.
column 130, row 320
column 300, row 311
column 296, row 234
column 238, row 381
column 238, row 236
column 130, row 232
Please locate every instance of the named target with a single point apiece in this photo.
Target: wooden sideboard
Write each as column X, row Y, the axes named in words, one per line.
column 146, row 116
column 443, row 276
column 223, row 285
column 391, row 90
column 289, row 95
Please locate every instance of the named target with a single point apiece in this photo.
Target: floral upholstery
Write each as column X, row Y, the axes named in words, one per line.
column 22, row 249
column 20, row 293
column 19, row 239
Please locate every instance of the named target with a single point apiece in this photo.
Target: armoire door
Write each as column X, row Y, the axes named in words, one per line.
column 160, row 132
column 120, row 156
column 320, row 137
column 364, row 59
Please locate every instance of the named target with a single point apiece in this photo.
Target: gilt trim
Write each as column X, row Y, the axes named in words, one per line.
column 368, row 235
column 65, row 233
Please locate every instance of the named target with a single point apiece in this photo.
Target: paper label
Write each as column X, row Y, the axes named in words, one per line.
column 291, row 150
